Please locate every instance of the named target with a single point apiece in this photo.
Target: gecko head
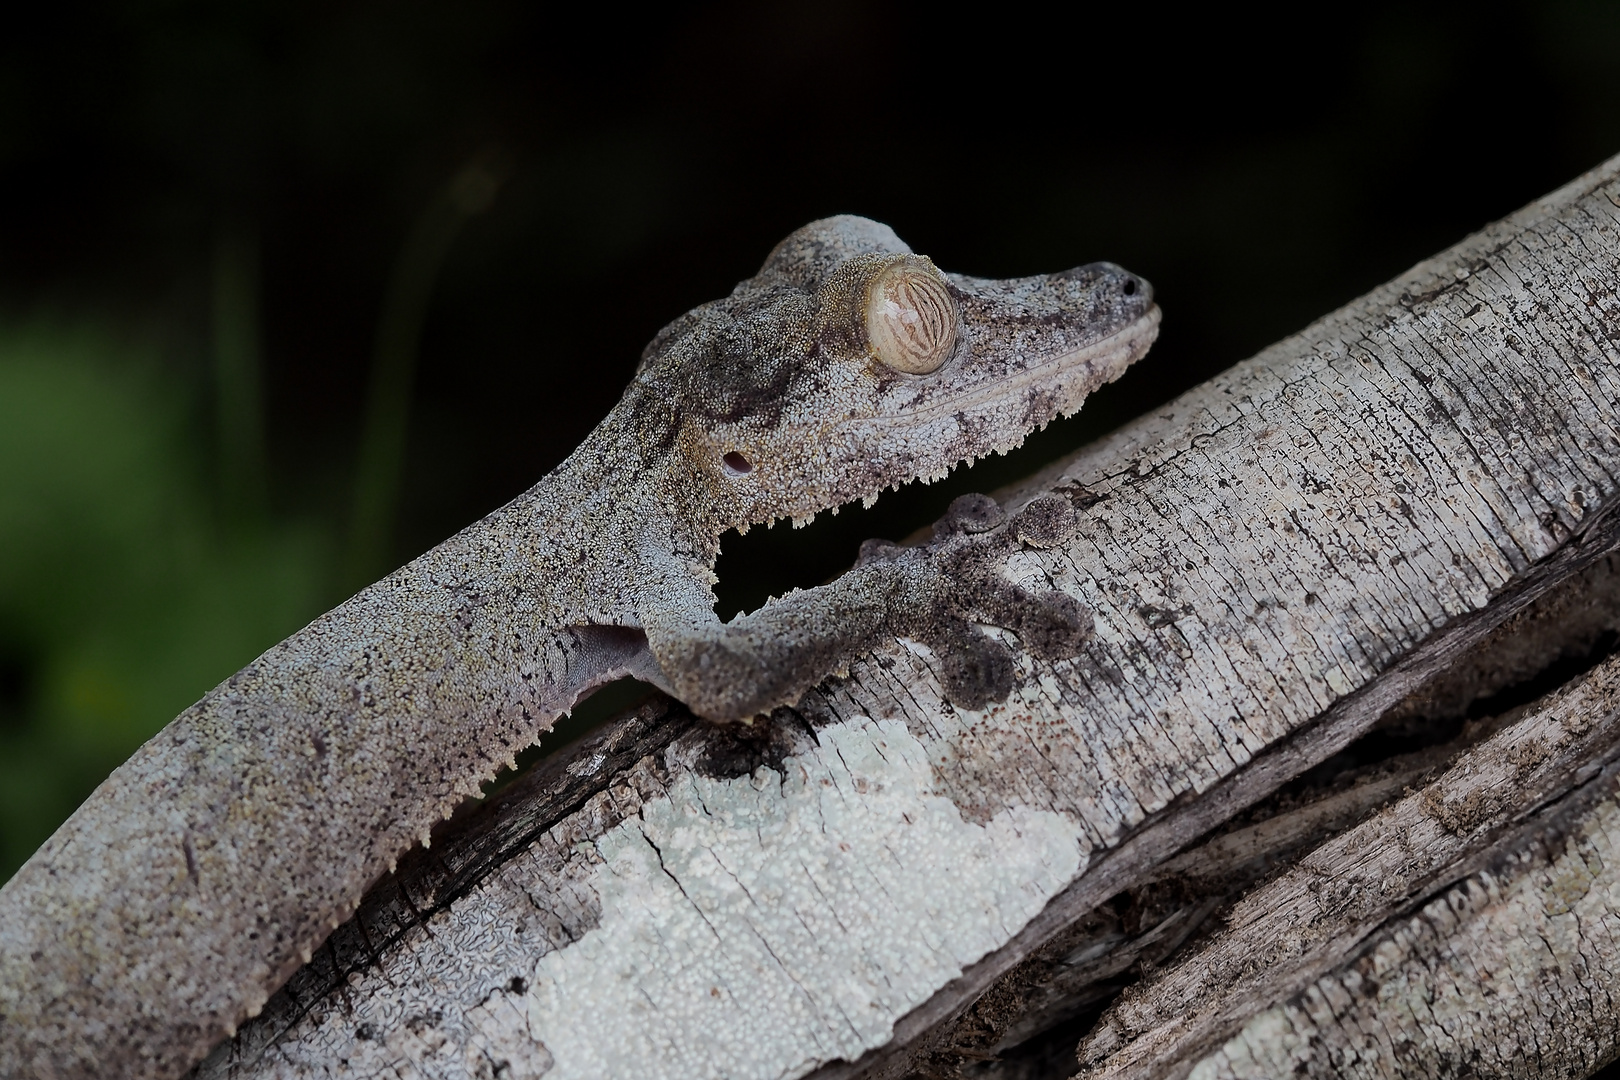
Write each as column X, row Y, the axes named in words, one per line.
column 848, row 365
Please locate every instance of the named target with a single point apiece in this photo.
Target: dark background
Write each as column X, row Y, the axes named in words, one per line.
column 192, row 193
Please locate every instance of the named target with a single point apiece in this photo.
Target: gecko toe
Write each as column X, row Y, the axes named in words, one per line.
column 970, row 514
column 976, row 670
column 878, row 551
column 1054, row 625
column 1046, row 522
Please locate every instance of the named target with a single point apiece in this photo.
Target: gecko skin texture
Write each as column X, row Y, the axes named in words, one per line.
column 206, row 868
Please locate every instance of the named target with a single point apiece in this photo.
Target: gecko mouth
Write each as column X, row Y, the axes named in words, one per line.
column 1026, row 400
column 1106, row 359
column 761, row 564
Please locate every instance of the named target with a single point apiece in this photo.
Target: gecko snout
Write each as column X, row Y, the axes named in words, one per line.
column 1110, row 279
column 1135, row 292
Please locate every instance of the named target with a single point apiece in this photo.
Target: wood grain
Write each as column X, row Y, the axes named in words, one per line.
column 1279, row 559
column 1527, row 941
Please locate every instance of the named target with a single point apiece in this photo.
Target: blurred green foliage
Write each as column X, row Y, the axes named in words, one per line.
column 122, row 596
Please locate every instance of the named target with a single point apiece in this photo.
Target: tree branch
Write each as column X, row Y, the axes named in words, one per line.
column 1318, row 579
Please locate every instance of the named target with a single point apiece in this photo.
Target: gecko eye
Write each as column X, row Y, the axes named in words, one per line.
column 910, row 317
column 736, row 464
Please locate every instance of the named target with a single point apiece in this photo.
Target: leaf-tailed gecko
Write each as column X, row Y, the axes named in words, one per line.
column 206, row 868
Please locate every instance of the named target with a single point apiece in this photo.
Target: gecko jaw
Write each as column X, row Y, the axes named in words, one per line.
column 1105, row 361
column 1122, row 348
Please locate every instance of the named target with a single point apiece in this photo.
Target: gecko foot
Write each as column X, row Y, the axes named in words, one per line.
column 955, row 584
column 941, row 594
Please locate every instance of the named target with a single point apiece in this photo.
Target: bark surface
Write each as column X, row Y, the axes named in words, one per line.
column 1526, row 943
column 1306, row 574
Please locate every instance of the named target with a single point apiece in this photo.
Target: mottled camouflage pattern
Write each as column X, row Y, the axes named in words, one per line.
column 208, row 866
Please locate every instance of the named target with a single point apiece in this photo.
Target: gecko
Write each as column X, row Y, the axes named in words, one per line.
column 207, row 867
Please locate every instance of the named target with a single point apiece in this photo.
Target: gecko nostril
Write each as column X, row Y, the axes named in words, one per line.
column 1130, row 287
column 737, row 465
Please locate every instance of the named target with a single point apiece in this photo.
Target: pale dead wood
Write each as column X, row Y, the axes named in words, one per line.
column 1561, row 633
column 1323, row 539
column 1513, row 971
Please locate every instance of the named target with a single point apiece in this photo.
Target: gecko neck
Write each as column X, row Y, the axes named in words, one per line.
column 577, row 541
column 648, row 462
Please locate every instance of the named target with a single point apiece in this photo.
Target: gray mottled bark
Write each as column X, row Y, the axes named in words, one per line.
column 1300, row 799
column 1329, row 968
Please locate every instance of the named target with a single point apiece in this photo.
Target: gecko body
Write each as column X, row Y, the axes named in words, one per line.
column 206, row 868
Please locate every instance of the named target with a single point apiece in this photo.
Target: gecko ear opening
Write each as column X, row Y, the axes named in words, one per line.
column 736, row 464
column 910, row 316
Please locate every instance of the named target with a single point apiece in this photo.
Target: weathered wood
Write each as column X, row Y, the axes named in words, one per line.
column 1557, row 636
column 1527, row 943
column 874, row 882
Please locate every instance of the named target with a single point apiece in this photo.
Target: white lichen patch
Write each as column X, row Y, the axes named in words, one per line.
column 763, row 925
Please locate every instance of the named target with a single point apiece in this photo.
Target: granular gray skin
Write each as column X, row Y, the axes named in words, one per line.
column 206, row 868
